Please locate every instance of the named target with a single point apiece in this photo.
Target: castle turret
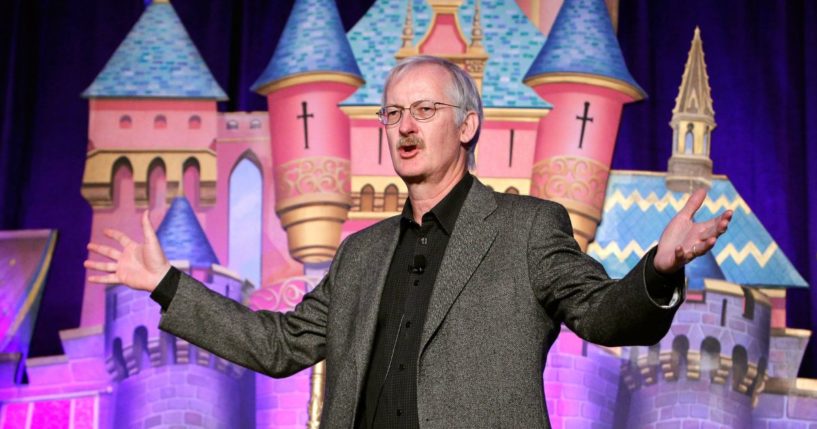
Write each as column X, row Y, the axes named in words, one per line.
column 580, row 70
column 311, row 71
column 693, row 120
column 151, row 125
column 163, row 380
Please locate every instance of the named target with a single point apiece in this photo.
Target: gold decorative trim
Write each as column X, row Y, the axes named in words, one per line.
column 791, row 332
column 587, row 79
column 727, row 288
column 46, row 360
column 224, row 271
column 361, row 112
column 513, row 114
column 82, row 332
column 803, row 387
column 310, row 77
column 372, row 215
column 243, row 139
column 774, row 293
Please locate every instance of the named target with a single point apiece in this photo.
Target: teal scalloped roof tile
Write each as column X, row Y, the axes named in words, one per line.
column 582, row 40
column 509, row 38
column 156, row 59
column 637, row 209
column 313, row 40
column 182, row 237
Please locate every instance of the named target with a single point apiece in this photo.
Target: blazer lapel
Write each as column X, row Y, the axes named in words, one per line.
column 473, row 236
column 376, row 265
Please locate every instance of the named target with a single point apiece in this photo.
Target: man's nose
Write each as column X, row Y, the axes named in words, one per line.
column 408, row 124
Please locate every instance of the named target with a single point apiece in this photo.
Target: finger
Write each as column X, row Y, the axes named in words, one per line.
column 105, row 251
column 109, row 267
column 694, row 203
column 119, row 236
column 147, row 228
column 109, row 279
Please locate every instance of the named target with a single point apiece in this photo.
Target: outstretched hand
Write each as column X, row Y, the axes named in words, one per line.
column 139, row 266
column 683, row 240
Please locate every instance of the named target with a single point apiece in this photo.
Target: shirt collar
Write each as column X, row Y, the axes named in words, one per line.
column 448, row 209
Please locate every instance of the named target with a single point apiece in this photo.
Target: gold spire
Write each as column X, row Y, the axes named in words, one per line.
column 476, row 30
column 694, row 95
column 693, row 120
column 408, row 33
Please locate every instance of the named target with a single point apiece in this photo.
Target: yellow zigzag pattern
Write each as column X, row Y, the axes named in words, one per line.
column 612, row 248
column 762, row 258
column 661, row 203
column 730, row 251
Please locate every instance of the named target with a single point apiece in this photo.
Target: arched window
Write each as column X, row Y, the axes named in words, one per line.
column 157, row 183
column 122, row 191
column 255, row 124
column 118, row 357
column 680, row 348
column 194, row 122
column 367, row 199
column 245, row 218
column 390, row 199
column 689, row 139
column 710, row 356
column 748, row 304
column 141, row 354
column 125, row 122
column 190, row 178
column 740, row 366
column 232, row 124
column 160, row 122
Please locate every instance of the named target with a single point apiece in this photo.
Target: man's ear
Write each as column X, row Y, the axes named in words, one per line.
column 469, row 127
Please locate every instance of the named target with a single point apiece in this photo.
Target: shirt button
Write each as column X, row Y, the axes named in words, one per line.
column 402, row 367
column 399, row 412
column 408, row 324
column 416, row 282
column 424, row 241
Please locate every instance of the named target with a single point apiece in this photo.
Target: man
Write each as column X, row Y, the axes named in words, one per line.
column 453, row 330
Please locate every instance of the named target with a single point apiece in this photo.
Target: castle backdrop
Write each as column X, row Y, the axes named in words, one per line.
column 254, row 204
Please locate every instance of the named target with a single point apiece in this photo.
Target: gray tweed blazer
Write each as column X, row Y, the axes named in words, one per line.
column 511, row 275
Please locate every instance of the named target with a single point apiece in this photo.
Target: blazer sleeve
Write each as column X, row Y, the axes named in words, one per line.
column 574, row 288
column 273, row 343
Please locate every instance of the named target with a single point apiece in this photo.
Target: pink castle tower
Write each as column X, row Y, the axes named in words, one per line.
column 581, row 71
column 152, row 123
column 311, row 71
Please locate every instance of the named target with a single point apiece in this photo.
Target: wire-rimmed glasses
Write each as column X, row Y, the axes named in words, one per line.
column 421, row 110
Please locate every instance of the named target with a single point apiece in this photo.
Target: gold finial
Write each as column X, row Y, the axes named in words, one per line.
column 161, row 1
column 476, row 29
column 408, row 29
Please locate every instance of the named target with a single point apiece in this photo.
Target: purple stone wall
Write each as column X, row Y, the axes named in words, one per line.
column 282, row 403
column 786, row 412
column 581, row 384
column 180, row 396
column 687, row 404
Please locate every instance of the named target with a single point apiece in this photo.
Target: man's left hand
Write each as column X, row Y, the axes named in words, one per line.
column 683, row 240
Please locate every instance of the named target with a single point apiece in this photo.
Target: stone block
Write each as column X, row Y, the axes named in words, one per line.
column 802, row 408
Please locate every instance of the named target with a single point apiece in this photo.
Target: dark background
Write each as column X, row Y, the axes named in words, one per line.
column 761, row 58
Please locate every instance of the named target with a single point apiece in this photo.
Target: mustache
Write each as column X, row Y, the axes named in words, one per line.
column 411, row 140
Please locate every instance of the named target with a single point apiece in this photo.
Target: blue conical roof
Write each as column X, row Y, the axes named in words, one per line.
column 582, row 40
column 157, row 59
column 313, row 40
column 702, row 267
column 182, row 238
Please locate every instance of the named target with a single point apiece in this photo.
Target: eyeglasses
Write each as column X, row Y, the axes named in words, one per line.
column 421, row 110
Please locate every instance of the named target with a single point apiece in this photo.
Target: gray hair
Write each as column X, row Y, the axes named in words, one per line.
column 462, row 90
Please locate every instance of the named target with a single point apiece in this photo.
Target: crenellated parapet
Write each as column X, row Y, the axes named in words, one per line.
column 99, row 181
column 133, row 342
column 720, row 340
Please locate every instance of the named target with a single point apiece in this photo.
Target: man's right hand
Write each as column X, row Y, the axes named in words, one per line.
column 139, row 266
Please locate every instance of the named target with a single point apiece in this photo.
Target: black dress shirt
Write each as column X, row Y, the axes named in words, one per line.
column 390, row 393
